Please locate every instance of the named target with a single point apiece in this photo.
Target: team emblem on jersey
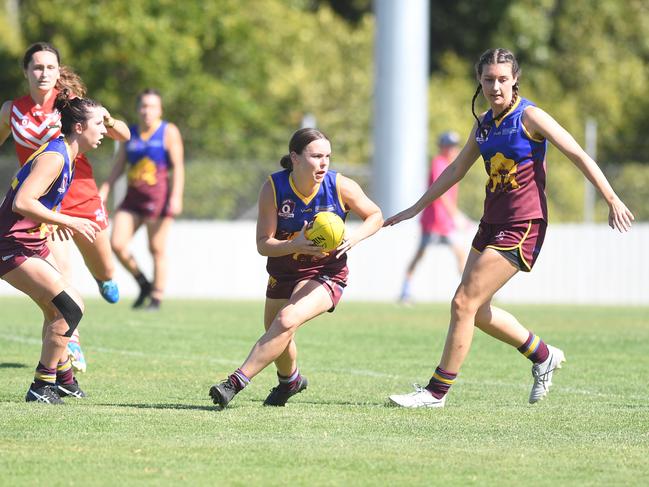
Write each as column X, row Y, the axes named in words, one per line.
column 24, row 121
column 287, row 209
column 482, row 134
column 502, row 172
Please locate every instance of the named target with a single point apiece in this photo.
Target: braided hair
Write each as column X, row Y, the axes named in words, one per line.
column 496, row 56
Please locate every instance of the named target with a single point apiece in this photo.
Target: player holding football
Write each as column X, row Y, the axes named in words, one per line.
column 512, row 139
column 25, row 260
column 304, row 282
column 32, row 121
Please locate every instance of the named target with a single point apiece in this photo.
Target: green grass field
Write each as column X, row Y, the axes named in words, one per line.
column 148, row 419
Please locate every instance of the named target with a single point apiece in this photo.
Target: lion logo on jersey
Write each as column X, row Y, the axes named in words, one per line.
column 502, row 172
column 143, row 171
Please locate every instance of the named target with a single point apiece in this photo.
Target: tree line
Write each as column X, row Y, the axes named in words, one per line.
column 238, row 77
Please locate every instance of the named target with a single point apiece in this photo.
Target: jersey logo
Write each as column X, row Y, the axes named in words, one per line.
column 287, row 209
column 502, row 172
column 331, row 208
column 64, row 184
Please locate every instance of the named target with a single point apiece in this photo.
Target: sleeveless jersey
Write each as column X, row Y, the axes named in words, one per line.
column 515, row 164
column 33, row 125
column 293, row 209
column 18, row 231
column 148, row 160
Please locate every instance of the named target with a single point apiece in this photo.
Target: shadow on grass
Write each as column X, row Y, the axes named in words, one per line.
column 162, row 406
column 12, row 365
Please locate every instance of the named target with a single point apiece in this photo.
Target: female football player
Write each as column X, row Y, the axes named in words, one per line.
column 25, row 260
column 511, row 137
column 153, row 197
column 304, row 281
column 32, row 121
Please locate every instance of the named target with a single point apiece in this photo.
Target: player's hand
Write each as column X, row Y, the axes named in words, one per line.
column 175, row 206
column 302, row 245
column 83, row 226
column 63, row 233
column 345, row 246
column 399, row 217
column 619, row 216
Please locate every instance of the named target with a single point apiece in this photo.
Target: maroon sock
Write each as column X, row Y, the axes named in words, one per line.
column 534, row 349
column 440, row 382
column 44, row 375
column 64, row 372
column 289, row 382
column 239, row 380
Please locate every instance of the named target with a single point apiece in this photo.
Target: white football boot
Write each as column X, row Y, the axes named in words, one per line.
column 421, row 398
column 542, row 373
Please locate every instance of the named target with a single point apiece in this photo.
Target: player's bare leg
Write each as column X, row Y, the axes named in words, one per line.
column 125, row 224
column 158, row 231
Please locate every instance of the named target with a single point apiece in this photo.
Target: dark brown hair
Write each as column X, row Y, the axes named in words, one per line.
column 299, row 140
column 73, row 109
column 38, row 47
column 147, row 91
column 496, row 56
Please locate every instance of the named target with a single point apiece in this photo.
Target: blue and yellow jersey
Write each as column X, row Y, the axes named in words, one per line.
column 148, row 160
column 15, row 227
column 293, row 209
column 515, row 164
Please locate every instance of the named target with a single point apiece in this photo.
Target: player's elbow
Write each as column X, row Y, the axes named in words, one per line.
column 19, row 204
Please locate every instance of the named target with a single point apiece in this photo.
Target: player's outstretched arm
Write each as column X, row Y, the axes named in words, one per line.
column 449, row 177
column 5, row 121
column 540, row 124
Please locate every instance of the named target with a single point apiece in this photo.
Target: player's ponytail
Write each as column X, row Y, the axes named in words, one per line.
column 70, row 80
column 286, row 162
column 73, row 109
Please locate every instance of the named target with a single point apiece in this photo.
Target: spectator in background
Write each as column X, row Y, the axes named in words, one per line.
column 441, row 219
column 154, row 198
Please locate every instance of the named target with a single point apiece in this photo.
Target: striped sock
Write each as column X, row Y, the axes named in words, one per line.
column 44, row 376
column 239, row 380
column 440, row 382
column 64, row 373
column 291, row 381
column 535, row 349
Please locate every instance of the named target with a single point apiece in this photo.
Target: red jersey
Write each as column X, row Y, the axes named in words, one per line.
column 33, row 125
column 435, row 217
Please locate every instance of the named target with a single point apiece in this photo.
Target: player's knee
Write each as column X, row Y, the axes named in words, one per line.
column 287, row 321
column 461, row 303
column 70, row 310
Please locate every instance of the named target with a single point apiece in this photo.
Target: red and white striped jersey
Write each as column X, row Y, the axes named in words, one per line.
column 33, row 125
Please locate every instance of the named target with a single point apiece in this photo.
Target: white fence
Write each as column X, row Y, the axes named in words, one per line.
column 584, row 264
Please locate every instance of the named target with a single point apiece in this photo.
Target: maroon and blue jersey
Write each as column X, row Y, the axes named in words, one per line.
column 293, row 209
column 148, row 173
column 515, row 164
column 17, row 231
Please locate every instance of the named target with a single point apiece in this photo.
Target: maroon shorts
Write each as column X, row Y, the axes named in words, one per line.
column 334, row 285
column 9, row 260
column 519, row 242
column 152, row 203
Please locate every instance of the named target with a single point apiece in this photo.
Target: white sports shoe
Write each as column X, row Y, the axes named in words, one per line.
column 542, row 373
column 421, row 398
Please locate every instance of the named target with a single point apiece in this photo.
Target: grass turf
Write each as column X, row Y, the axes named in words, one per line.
column 148, row 419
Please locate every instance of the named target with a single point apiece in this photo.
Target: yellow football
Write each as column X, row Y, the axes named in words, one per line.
column 326, row 230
